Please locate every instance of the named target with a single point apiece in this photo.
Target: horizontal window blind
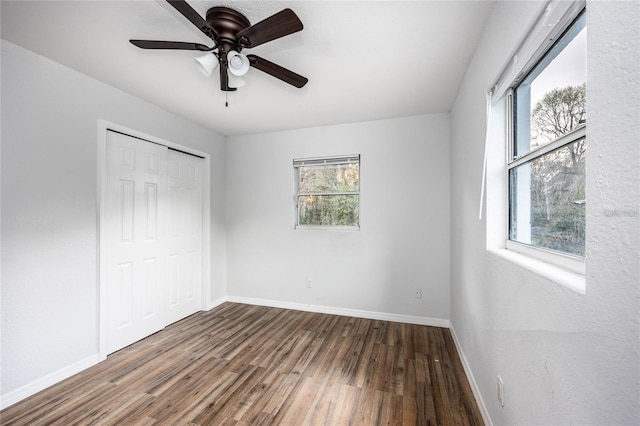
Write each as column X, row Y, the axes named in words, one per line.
column 554, row 17
column 326, row 161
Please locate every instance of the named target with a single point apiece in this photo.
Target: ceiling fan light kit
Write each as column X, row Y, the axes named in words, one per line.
column 238, row 63
column 236, row 81
column 208, row 62
column 231, row 32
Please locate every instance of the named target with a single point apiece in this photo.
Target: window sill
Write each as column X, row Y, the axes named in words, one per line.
column 561, row 276
column 326, row 228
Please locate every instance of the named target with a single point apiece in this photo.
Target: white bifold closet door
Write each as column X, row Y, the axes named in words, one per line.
column 153, row 232
column 185, row 235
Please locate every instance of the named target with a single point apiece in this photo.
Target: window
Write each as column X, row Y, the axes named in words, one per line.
column 547, row 148
column 327, row 192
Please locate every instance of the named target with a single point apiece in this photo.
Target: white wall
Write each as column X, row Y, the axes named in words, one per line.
column 403, row 243
column 565, row 357
column 49, row 208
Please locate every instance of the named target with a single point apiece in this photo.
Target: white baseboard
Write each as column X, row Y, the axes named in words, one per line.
column 216, row 302
column 37, row 385
column 472, row 381
column 409, row 319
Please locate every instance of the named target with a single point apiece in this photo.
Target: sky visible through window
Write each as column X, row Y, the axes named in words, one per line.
column 569, row 68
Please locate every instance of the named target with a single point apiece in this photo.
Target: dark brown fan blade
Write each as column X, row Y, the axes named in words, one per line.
column 176, row 45
column 279, row 25
column 194, row 17
column 277, row 71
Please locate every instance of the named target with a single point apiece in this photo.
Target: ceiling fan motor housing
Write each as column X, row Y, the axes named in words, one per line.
column 227, row 22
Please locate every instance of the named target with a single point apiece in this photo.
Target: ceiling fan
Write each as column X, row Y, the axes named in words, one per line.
column 231, row 32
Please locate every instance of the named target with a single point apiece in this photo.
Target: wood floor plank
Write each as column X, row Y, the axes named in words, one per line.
column 364, row 359
column 245, row 393
column 346, row 398
column 410, row 405
column 324, row 404
column 255, row 365
column 132, row 411
column 299, row 402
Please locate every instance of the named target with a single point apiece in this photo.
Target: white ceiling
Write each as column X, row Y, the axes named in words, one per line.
column 365, row 60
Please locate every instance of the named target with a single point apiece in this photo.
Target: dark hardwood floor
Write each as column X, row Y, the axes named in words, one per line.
column 252, row 365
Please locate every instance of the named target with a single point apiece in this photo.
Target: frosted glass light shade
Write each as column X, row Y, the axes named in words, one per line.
column 235, row 81
column 238, row 63
column 208, row 62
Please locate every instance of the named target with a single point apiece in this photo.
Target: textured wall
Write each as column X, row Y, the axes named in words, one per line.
column 404, row 214
column 49, row 203
column 565, row 357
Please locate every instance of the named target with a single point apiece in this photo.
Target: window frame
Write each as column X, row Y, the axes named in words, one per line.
column 323, row 161
column 568, row 261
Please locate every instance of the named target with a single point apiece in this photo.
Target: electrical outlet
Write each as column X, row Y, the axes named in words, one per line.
column 309, row 282
column 501, row 391
column 418, row 293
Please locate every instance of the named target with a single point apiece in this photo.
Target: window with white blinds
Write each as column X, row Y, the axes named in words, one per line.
column 546, row 115
column 327, row 192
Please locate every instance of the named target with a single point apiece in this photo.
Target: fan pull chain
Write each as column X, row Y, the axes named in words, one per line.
column 226, row 99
